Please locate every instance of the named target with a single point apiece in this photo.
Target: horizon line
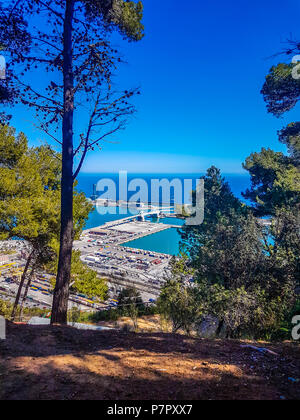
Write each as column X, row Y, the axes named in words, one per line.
column 160, row 173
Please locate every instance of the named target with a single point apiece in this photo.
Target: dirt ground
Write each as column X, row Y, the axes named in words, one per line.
column 41, row 362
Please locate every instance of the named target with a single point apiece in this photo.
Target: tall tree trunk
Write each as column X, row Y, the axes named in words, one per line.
column 61, row 291
column 25, row 294
column 14, row 311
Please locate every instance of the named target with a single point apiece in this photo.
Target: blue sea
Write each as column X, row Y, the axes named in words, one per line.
column 166, row 241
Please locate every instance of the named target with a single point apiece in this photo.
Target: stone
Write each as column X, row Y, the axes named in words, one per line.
column 208, row 327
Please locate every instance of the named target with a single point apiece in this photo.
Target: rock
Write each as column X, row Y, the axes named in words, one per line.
column 208, row 327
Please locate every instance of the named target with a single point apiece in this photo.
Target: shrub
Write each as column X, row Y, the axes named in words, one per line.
column 178, row 304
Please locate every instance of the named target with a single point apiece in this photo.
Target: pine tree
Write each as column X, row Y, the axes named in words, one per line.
column 69, row 45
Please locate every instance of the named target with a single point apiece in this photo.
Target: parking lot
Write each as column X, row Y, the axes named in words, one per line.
column 146, row 270
column 40, row 294
column 101, row 250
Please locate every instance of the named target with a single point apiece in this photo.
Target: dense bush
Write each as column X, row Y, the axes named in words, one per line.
column 284, row 331
column 130, row 304
column 178, row 305
column 245, row 273
column 6, row 310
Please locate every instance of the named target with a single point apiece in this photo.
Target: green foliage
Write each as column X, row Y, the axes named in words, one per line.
column 275, row 177
column 284, row 249
column 242, row 313
column 130, row 21
column 74, row 315
column 86, row 280
column 227, row 247
column 178, row 305
column 12, row 147
column 220, row 207
column 284, row 330
column 30, row 206
column 246, row 274
column 111, row 314
column 290, row 136
column 83, row 279
column 13, row 36
column 126, row 16
column 129, row 296
column 275, row 181
column 219, row 199
column 251, row 313
column 130, row 302
column 281, row 91
column 230, row 252
column 30, row 191
column 6, row 310
column 180, row 267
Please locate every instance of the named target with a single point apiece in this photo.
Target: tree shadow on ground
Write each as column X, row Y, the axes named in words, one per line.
column 64, row 363
column 74, row 382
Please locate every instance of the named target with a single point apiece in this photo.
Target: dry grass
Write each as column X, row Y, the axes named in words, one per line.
column 145, row 324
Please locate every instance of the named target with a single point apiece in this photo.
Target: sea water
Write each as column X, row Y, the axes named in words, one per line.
column 167, row 241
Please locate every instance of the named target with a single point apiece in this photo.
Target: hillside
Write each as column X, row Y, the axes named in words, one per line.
column 64, row 363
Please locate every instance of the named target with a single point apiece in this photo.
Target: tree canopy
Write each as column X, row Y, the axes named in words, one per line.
column 275, row 177
column 124, row 15
column 30, row 207
column 275, row 182
column 13, row 35
column 245, row 273
column 281, row 91
column 68, row 43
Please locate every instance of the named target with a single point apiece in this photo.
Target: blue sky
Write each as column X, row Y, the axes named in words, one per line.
column 200, row 67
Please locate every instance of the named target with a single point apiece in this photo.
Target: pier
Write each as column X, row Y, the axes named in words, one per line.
column 141, row 216
column 101, row 249
column 106, row 249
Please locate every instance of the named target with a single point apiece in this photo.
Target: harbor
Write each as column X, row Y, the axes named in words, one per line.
column 110, row 248
column 104, row 249
column 13, row 254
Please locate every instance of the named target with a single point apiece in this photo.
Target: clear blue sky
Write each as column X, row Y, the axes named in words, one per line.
column 200, row 67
